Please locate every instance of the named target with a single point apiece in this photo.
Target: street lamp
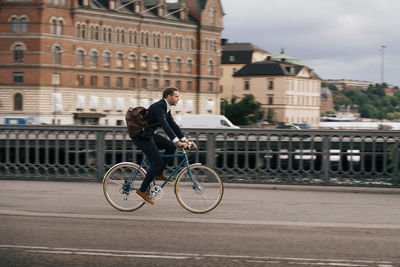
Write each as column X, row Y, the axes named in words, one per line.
column 382, row 50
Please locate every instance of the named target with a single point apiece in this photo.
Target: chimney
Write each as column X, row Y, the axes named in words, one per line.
column 224, row 41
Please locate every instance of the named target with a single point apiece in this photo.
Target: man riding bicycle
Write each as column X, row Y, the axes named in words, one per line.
column 159, row 114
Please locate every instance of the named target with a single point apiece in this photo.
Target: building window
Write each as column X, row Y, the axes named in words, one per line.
column 178, row 65
column 189, row 66
column 231, row 58
column 80, row 80
column 189, row 86
column 144, row 83
column 156, row 84
column 18, row 102
column 270, row 84
column 178, row 85
column 53, row 26
column 60, row 27
column 270, row 99
column 93, row 58
column 106, row 81
column 57, row 55
column 246, row 85
column 18, row 77
column 120, row 58
column 167, row 83
column 14, row 25
column 210, row 67
column 144, row 62
column 56, row 78
column 212, row 15
column 18, row 53
column 93, row 81
column 80, row 57
column 167, row 66
column 132, row 83
column 24, row 25
column 156, row 63
column 106, row 59
column 210, row 86
column 131, row 61
column 119, row 82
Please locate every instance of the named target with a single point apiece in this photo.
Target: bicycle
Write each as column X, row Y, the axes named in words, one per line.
column 198, row 188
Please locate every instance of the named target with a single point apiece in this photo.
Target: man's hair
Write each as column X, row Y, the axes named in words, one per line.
column 169, row 91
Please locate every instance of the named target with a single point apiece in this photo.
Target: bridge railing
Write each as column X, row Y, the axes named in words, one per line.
column 328, row 157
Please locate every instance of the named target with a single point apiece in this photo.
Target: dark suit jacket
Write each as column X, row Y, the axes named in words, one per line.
column 157, row 116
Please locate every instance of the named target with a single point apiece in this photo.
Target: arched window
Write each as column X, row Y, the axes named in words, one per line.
column 167, row 64
column 189, row 65
column 156, row 63
column 18, row 102
column 104, row 34
column 18, row 53
column 60, row 27
column 212, row 15
column 122, row 36
column 120, row 60
column 132, row 61
column 78, row 30
column 53, row 26
column 80, row 57
column 14, row 25
column 210, row 67
column 178, row 65
column 135, row 41
column 24, row 25
column 144, row 62
column 93, row 58
column 109, row 35
column 83, row 35
column 106, row 59
column 96, row 32
column 57, row 55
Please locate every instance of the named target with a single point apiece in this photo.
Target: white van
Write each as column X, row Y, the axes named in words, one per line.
column 205, row 121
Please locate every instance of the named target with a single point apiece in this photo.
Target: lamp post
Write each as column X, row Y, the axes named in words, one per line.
column 382, row 50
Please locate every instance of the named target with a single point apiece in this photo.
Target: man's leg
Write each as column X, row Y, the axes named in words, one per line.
column 150, row 149
column 164, row 143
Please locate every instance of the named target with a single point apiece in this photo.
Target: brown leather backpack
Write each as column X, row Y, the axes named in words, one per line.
column 135, row 121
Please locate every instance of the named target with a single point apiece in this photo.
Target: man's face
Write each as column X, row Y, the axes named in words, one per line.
column 173, row 99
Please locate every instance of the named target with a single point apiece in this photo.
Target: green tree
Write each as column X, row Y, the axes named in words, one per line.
column 245, row 112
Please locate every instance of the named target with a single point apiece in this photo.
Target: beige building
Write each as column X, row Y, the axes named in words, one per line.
column 234, row 57
column 87, row 61
column 291, row 91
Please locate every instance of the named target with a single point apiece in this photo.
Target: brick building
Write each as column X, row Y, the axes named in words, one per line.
column 87, row 61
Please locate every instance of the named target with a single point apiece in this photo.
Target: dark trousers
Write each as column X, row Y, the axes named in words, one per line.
column 150, row 147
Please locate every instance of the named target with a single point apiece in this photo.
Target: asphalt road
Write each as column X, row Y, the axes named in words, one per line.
column 71, row 224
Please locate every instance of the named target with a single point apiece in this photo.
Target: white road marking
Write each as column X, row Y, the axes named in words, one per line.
column 181, row 256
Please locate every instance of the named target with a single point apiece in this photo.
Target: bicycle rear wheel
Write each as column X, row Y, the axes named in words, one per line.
column 203, row 193
column 121, row 196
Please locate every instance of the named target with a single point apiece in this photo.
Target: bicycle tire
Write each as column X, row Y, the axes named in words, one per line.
column 203, row 199
column 114, row 181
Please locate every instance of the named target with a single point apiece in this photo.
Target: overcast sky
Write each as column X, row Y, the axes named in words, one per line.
column 339, row 39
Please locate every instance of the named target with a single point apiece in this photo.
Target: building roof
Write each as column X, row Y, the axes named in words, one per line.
column 241, row 47
column 286, row 58
column 272, row 68
column 239, row 53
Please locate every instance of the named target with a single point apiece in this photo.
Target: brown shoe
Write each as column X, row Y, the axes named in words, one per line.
column 163, row 177
column 145, row 196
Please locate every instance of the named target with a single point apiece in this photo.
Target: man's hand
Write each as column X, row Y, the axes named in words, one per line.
column 185, row 145
column 192, row 144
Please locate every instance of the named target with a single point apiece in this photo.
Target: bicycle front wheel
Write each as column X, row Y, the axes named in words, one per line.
column 199, row 189
column 118, row 192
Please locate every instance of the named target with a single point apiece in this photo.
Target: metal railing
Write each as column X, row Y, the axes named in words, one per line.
column 328, row 157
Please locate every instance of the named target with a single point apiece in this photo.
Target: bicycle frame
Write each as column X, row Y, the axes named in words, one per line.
column 184, row 161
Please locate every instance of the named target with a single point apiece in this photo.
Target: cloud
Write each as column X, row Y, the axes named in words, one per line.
column 339, row 38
